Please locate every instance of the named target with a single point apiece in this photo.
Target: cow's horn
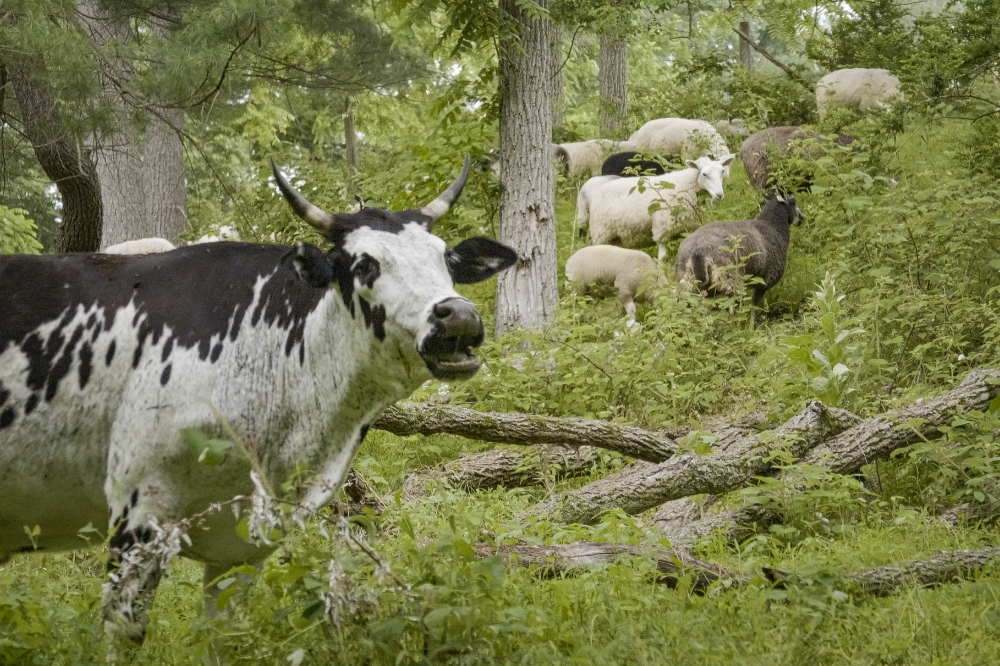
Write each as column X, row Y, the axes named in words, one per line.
column 316, row 217
column 437, row 208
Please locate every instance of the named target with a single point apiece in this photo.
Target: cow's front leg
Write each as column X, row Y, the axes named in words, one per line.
column 143, row 540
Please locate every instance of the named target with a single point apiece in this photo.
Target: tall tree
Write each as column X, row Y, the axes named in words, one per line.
column 527, row 293
column 746, row 52
column 613, row 63
column 557, row 94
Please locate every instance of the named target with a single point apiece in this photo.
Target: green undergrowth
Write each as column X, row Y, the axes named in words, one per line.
column 890, row 295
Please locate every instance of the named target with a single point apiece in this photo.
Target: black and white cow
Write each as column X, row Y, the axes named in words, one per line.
column 104, row 359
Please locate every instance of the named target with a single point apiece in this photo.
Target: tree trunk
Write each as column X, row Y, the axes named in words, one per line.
column 405, row 419
column 351, row 141
column 567, row 558
column 556, row 89
column 141, row 175
column 500, row 468
column 527, row 293
column 164, row 188
column 613, row 63
column 64, row 161
column 746, row 52
column 736, row 460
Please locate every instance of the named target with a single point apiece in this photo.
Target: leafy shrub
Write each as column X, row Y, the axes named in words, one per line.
column 18, row 234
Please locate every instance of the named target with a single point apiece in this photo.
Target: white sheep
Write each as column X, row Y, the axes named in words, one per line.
column 617, row 215
column 224, row 233
column 583, row 200
column 141, row 246
column 680, row 137
column 587, row 156
column 627, row 270
column 855, row 88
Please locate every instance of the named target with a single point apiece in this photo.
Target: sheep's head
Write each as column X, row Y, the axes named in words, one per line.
column 794, row 213
column 711, row 172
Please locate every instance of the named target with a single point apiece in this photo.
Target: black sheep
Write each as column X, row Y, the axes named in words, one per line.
column 619, row 163
column 761, row 244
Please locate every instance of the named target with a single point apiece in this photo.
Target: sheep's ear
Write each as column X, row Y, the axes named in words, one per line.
column 727, row 159
column 692, row 164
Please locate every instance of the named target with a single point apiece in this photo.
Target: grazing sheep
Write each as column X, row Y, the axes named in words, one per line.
column 224, row 233
column 855, row 88
column 141, row 246
column 587, row 156
column 735, row 126
column 627, row 270
column 680, row 137
column 760, row 147
column 617, row 215
column 583, row 199
column 619, row 163
column 762, row 245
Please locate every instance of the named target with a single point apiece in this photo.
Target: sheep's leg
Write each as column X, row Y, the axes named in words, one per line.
column 661, row 251
column 626, row 298
column 758, row 295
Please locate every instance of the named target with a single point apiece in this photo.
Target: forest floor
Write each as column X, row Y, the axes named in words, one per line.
column 915, row 264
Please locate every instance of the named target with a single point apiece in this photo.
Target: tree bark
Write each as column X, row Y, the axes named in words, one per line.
column 879, row 436
column 164, row 187
column 735, row 462
column 64, row 160
column 940, row 568
column 553, row 560
column 527, row 294
column 351, row 141
column 525, row 429
column 557, row 92
column 684, row 523
column 613, row 64
column 746, row 52
column 500, row 468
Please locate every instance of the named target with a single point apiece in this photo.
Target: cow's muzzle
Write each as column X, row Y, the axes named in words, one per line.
column 457, row 329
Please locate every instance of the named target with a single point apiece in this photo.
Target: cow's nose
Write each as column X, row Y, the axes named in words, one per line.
column 457, row 318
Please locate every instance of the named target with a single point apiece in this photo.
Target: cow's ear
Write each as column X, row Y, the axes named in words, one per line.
column 476, row 259
column 311, row 264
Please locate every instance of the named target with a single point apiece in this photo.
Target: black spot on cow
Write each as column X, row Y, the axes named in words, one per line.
column 91, row 320
column 216, row 352
column 366, row 312
column 135, row 497
column 168, row 347
column 165, row 376
column 4, row 394
column 30, row 405
column 7, row 417
column 123, row 539
column 110, row 355
column 86, row 363
column 378, row 322
column 366, row 270
column 364, row 433
column 136, row 355
column 61, row 368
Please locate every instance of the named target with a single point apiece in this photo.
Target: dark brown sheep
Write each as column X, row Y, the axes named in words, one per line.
column 758, row 148
column 761, row 244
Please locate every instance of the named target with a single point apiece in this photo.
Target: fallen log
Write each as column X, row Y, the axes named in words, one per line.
column 844, row 451
column 684, row 523
column 525, row 429
column 672, row 565
column 736, row 460
column 941, row 568
column 879, row 436
column 358, row 494
column 509, row 469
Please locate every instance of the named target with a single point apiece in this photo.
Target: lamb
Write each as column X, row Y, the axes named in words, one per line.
column 141, row 246
column 617, row 215
column 680, row 137
column 759, row 148
column 626, row 164
column 627, row 270
column 855, row 88
column 761, row 244
column 587, row 156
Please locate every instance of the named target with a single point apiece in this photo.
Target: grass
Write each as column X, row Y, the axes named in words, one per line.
column 916, row 279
